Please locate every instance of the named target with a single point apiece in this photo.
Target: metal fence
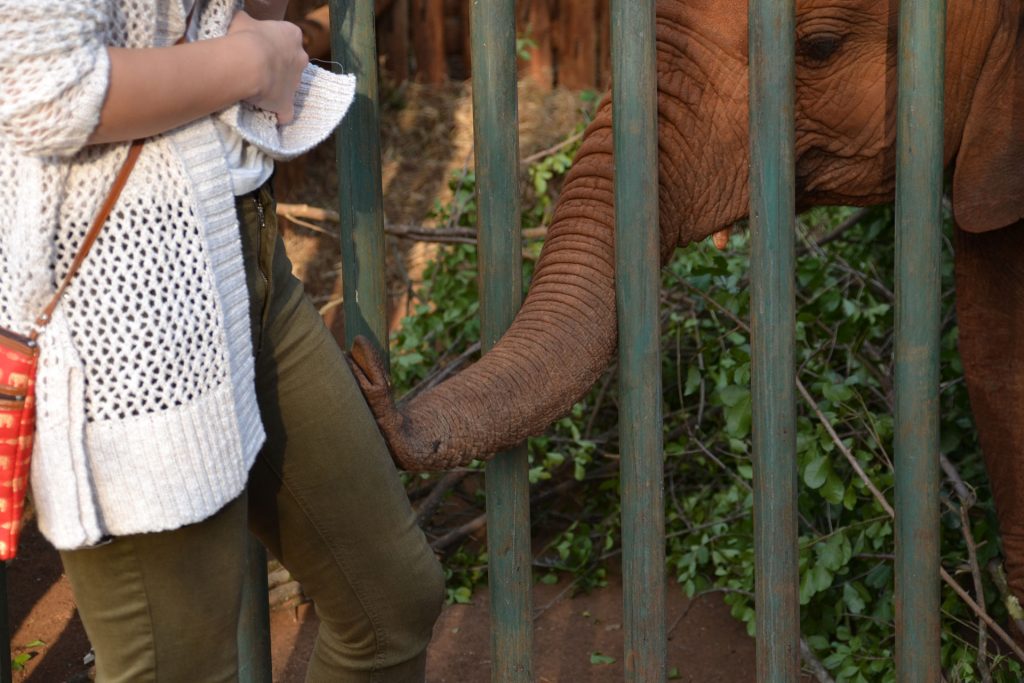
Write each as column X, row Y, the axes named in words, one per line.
column 918, row 240
column 772, row 180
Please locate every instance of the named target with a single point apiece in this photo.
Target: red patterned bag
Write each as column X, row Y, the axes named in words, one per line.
column 19, row 356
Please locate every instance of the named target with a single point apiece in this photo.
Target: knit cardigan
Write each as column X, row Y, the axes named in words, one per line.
column 147, row 417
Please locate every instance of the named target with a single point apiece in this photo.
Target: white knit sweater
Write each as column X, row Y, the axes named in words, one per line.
column 147, row 413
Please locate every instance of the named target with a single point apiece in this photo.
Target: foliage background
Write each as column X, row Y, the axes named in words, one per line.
column 844, row 355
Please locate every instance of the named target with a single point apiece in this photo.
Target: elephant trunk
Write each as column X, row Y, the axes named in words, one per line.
column 558, row 345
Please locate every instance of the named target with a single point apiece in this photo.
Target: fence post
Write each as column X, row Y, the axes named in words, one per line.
column 5, row 627
column 495, row 131
column 773, row 321
column 254, row 663
column 918, row 311
column 360, row 204
column 637, row 280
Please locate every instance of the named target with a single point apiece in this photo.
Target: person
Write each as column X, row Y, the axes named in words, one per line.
column 187, row 387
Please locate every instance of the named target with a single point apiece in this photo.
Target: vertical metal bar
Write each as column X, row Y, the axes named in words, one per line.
column 495, row 130
column 354, row 49
column 5, row 627
column 772, row 212
column 254, row 665
column 918, row 263
column 637, row 276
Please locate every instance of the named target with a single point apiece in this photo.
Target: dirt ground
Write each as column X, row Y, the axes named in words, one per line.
column 705, row 643
column 426, row 136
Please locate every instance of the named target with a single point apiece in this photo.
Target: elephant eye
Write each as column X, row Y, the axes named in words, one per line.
column 818, row 48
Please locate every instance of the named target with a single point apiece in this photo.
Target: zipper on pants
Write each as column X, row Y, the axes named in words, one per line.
column 261, row 228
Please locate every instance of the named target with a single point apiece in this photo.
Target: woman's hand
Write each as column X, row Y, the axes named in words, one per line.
column 153, row 90
column 280, row 59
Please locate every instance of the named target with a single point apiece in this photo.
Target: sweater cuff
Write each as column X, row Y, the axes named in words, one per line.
column 321, row 101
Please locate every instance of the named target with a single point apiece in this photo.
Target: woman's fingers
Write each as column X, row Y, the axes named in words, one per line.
column 280, row 63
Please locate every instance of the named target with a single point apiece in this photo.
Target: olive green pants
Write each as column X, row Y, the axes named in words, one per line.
column 323, row 496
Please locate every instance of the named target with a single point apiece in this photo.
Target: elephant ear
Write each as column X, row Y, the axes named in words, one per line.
column 988, row 183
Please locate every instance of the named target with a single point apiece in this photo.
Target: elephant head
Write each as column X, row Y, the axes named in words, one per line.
column 565, row 334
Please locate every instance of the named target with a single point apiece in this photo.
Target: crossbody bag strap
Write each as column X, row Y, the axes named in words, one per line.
column 94, row 232
column 101, row 217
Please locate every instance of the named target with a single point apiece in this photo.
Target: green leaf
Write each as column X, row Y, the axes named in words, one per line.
column 733, row 395
column 461, row 595
column 597, row 658
column 692, row 380
column 837, row 393
column 737, row 419
column 817, row 471
column 821, row 577
column 833, row 490
column 854, row 602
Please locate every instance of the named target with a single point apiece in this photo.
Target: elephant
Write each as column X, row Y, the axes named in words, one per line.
column 846, row 73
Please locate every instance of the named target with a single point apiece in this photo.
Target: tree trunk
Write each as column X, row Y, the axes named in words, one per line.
column 576, row 44
column 535, row 24
column 428, row 39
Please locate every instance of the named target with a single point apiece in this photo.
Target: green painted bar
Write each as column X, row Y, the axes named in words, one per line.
column 772, row 210
column 5, row 626
column 919, row 177
column 637, row 243
column 354, row 49
column 495, row 130
column 254, row 665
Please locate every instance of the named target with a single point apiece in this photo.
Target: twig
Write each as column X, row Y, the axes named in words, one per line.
column 561, row 594
column 965, row 494
column 818, row 669
column 728, row 470
column 598, row 403
column 995, row 569
column 309, row 226
column 537, row 156
column 949, row 580
column 851, row 221
column 996, row 628
column 459, row 533
column 433, row 500
column 979, row 592
column 844, row 450
column 299, row 213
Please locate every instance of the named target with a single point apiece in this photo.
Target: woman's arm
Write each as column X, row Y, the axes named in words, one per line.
column 153, row 90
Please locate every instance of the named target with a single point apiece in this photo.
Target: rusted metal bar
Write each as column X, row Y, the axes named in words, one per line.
column 772, row 210
column 918, row 312
column 495, row 130
column 637, row 279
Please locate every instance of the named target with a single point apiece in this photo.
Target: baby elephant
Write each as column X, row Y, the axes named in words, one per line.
column 565, row 335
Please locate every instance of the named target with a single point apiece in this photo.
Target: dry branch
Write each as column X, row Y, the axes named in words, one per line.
column 818, row 669
column 460, row 532
column 301, row 214
column 437, row 494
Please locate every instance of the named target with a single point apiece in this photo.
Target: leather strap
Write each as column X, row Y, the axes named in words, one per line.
column 101, row 217
column 90, row 237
